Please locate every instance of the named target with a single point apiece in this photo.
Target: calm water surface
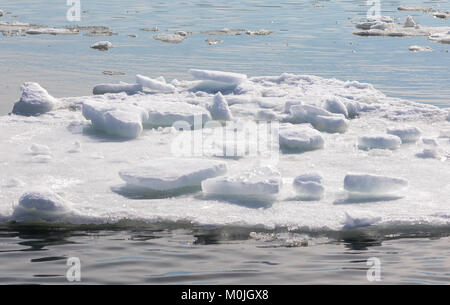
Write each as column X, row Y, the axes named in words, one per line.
column 306, row 40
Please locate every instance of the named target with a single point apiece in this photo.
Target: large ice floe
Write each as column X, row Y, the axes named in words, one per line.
column 181, row 151
column 386, row 26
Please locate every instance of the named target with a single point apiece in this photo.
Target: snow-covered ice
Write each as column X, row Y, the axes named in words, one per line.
column 309, row 186
column 218, row 76
column 117, row 88
column 172, row 173
column 300, row 137
column 102, row 45
column 320, row 118
column 76, row 147
column 154, row 84
column 407, row 134
column 219, row 108
column 374, row 184
column 34, row 100
column 379, row 141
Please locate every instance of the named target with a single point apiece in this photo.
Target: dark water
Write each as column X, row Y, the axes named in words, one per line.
column 162, row 255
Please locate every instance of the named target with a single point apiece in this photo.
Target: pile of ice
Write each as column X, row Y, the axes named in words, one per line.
column 112, row 154
column 385, row 26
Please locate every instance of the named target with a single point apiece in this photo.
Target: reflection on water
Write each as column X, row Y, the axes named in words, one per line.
column 196, row 255
column 307, row 39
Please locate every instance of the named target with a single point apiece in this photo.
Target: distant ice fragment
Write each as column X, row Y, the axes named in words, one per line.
column 374, row 184
column 309, row 186
column 170, row 38
column 219, row 109
column 172, row 173
column 34, row 100
column 102, row 45
column 420, row 49
column 218, row 76
column 300, row 138
column 381, row 141
column 257, row 183
column 414, row 8
column 117, row 88
column 155, row 84
column 407, row 134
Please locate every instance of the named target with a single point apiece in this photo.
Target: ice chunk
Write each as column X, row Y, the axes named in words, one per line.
column 359, row 222
column 289, row 104
column 335, row 105
column 414, row 8
column 37, row 149
column 34, row 100
column 102, row 45
column 309, row 186
column 218, row 76
column 170, row 38
column 429, row 141
column 300, row 138
column 410, row 23
column 44, row 204
column 258, row 183
column 440, row 37
column 117, row 88
column 155, row 84
column 430, row 153
column 320, row 118
column 219, row 109
column 266, row 115
column 165, row 114
column 115, row 119
column 373, row 184
column 416, row 49
column 1, row 13
column 406, row 134
column 381, row 141
column 172, row 173
column 51, row 31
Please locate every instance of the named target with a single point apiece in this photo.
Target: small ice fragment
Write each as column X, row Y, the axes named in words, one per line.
column 335, row 105
column 76, row 148
column 37, row 149
column 373, row 184
column 359, row 222
column 410, row 23
column 1, row 13
column 45, row 205
column 406, row 134
column 429, row 141
column 266, row 115
column 34, row 100
column 102, row 45
column 172, row 173
column 300, row 137
column 258, row 182
column 320, row 118
column 165, row 114
column 117, row 88
column 170, row 38
column 381, row 141
column 414, row 8
column 155, row 84
column 309, row 186
column 212, row 42
column 219, row 109
column 218, row 76
column 259, row 32
column 430, row 153
column 420, row 49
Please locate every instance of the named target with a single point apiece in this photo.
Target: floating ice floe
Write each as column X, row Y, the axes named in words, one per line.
column 225, row 31
column 1, row 13
column 172, row 173
column 386, row 27
column 259, row 32
column 416, row 49
column 212, row 42
column 309, row 186
column 407, row 134
column 300, row 138
column 51, row 31
column 154, row 84
column 380, row 141
column 440, row 37
column 373, row 185
column 442, row 15
column 414, row 8
column 43, row 204
column 320, row 118
column 262, row 183
column 117, row 88
column 34, row 100
column 102, row 45
column 170, row 38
